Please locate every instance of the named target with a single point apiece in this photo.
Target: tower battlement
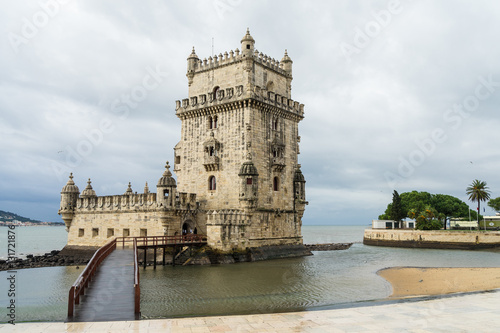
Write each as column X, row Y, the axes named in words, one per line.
column 231, row 57
column 215, row 100
column 250, row 69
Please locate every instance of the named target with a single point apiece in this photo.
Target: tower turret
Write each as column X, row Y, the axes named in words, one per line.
column 249, row 183
column 247, row 44
column 192, row 64
column 69, row 196
column 287, row 62
column 166, row 189
column 299, row 187
column 88, row 192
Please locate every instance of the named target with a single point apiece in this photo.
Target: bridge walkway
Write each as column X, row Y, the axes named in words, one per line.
column 110, row 295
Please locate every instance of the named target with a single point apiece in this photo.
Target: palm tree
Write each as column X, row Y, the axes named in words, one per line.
column 478, row 191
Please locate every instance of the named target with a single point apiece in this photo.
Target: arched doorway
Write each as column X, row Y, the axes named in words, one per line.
column 188, row 227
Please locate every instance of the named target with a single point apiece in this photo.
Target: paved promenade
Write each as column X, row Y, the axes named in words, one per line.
column 479, row 312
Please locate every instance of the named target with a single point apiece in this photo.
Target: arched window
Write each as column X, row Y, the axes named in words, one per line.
column 276, row 183
column 274, row 124
column 212, row 122
column 214, row 92
column 211, row 183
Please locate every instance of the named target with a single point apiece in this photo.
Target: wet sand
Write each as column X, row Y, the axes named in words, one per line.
column 420, row 281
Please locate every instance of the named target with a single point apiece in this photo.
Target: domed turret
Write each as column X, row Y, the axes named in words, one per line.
column 299, row 185
column 165, row 189
column 249, row 183
column 70, row 186
column 286, row 61
column 248, row 169
column 192, row 65
column 129, row 190
column 247, row 44
column 167, row 179
column 88, row 192
column 69, row 196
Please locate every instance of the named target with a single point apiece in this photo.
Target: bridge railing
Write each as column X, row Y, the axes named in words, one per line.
column 137, row 286
column 170, row 240
column 82, row 282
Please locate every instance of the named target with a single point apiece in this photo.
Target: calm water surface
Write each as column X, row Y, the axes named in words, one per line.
column 327, row 278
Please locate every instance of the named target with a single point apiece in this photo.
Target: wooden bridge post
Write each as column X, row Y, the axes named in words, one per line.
column 154, row 258
column 163, row 259
column 145, row 252
column 173, row 255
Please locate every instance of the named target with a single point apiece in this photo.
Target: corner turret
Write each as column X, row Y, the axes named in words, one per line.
column 192, row 65
column 247, row 44
column 249, row 183
column 287, row 62
column 166, row 189
column 69, row 196
column 299, row 189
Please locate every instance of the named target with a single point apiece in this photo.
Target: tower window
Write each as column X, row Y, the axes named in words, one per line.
column 276, row 183
column 212, row 122
column 212, row 185
column 249, row 181
column 274, row 124
column 81, row 232
column 95, row 232
column 248, row 46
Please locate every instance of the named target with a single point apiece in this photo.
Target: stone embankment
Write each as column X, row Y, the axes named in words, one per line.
column 432, row 239
column 328, row 246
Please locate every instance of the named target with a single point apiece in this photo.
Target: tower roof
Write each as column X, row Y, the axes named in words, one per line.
column 70, row 186
column 247, row 37
column 286, row 58
column 129, row 190
column 298, row 176
column 166, row 179
column 88, row 191
column 193, row 55
column 248, row 168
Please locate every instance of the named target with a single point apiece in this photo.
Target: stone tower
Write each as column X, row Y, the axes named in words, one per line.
column 239, row 147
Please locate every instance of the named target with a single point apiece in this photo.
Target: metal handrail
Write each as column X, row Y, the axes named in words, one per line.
column 82, row 282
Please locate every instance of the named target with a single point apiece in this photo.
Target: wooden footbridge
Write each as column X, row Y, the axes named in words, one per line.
column 109, row 286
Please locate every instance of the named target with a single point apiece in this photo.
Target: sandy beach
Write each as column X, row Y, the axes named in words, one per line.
column 419, row 281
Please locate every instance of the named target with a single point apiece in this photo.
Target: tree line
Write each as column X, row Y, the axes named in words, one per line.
column 433, row 211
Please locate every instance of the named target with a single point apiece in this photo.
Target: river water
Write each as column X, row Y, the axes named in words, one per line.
column 326, row 279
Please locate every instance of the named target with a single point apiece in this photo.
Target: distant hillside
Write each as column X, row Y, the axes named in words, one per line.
column 10, row 217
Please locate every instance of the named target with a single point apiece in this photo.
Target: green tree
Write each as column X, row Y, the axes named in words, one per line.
column 449, row 206
column 427, row 219
column 397, row 213
column 495, row 204
column 478, row 191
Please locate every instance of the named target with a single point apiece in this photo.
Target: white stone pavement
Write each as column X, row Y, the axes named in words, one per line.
column 477, row 312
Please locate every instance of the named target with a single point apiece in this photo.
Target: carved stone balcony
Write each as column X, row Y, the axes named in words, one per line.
column 278, row 163
column 211, row 163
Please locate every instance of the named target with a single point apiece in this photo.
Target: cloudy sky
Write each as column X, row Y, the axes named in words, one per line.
column 399, row 95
